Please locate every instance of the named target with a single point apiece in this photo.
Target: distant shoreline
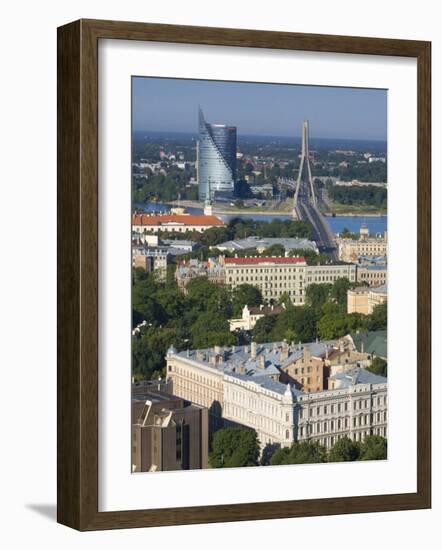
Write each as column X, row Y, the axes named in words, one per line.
column 256, row 210
column 355, row 214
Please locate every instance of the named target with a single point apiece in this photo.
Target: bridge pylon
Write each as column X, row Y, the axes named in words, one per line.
column 305, row 161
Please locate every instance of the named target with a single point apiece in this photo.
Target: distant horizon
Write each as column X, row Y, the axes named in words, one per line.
column 259, row 109
column 239, row 134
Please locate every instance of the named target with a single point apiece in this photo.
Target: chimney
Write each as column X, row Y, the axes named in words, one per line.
column 253, row 350
column 362, row 346
column 284, row 354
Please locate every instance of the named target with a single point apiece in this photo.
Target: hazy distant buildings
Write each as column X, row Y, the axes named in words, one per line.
column 216, row 159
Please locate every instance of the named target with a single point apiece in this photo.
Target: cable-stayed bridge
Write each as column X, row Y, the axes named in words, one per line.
column 305, row 206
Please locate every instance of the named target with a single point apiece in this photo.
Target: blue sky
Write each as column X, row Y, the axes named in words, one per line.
column 163, row 104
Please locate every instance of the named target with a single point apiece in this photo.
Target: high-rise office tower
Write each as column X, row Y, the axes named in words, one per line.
column 216, row 159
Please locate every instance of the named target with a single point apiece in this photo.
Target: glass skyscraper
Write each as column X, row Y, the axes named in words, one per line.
column 216, row 159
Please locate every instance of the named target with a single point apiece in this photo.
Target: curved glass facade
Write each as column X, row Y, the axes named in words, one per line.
column 216, row 159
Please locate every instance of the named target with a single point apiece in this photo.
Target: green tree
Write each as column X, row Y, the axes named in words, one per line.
column 285, row 299
column 378, row 319
column 245, row 294
column 149, row 351
column 373, row 447
column 378, row 366
column 317, row 295
column 344, row 450
column 297, row 324
column 306, row 452
column 274, row 250
column 207, row 296
column 211, row 329
column 214, row 236
column 233, row 448
column 339, row 292
column 335, row 325
column 262, row 331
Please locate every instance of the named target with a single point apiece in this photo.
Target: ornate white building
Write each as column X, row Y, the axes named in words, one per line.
column 241, row 386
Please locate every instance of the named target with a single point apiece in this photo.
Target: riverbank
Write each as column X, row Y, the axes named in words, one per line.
column 361, row 214
column 282, row 209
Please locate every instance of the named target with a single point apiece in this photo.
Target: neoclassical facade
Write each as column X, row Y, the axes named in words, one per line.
column 273, row 275
column 350, row 249
column 242, row 386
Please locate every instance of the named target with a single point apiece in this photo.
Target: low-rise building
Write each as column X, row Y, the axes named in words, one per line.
column 372, row 275
column 364, row 299
column 276, row 276
column 177, row 223
column 351, row 249
column 373, row 342
column 188, row 270
column 168, row 433
column 261, row 244
column 250, row 316
column 273, row 275
column 151, row 259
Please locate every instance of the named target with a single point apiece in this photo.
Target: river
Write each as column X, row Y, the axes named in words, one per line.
column 376, row 224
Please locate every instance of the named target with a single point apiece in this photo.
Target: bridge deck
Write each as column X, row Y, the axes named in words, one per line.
column 321, row 231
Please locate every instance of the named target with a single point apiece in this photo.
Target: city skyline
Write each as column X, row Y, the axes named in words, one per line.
column 164, row 104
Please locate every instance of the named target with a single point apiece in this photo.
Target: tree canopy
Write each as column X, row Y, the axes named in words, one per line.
column 378, row 366
column 344, row 450
column 243, row 295
column 234, row 447
column 306, row 452
column 373, row 447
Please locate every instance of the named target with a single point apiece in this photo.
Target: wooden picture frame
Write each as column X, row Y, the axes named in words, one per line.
column 78, row 274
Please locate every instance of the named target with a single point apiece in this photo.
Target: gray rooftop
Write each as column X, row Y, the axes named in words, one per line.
column 358, row 375
column 374, row 342
column 258, row 242
column 268, row 384
column 270, row 357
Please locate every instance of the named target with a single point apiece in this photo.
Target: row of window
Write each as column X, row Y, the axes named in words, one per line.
column 342, row 407
column 342, row 424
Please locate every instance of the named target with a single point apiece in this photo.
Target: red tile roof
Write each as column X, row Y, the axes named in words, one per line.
column 171, row 219
column 265, row 260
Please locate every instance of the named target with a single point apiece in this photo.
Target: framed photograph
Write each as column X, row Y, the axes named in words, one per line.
column 236, row 209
